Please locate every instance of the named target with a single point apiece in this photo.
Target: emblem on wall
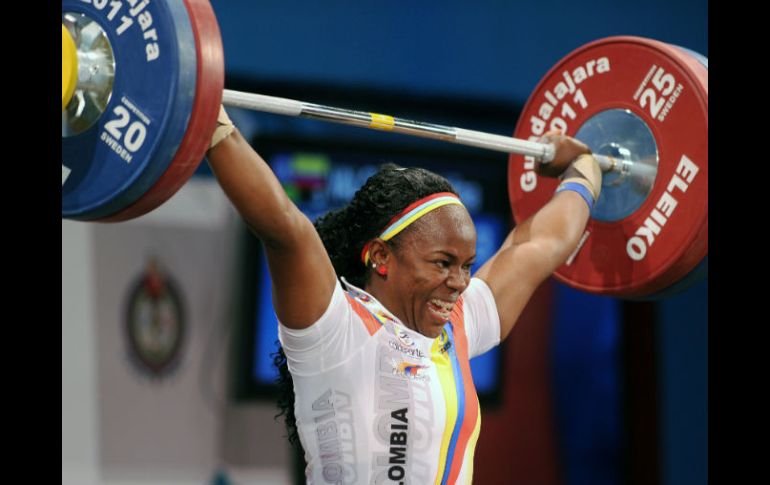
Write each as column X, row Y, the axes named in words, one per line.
column 155, row 325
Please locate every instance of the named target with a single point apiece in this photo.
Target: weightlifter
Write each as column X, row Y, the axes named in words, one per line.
column 379, row 314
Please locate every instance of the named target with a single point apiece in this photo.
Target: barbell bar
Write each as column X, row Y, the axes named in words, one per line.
column 376, row 121
column 136, row 125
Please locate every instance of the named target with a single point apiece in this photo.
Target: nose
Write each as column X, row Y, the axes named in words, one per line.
column 458, row 280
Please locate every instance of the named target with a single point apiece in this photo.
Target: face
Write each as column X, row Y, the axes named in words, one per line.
column 430, row 268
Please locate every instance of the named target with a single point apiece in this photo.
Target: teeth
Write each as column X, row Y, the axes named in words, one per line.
column 443, row 304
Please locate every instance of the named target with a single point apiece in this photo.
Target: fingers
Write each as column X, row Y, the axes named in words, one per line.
column 567, row 149
column 551, row 136
column 582, row 145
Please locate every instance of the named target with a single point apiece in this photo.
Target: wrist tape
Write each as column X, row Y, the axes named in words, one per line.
column 224, row 128
column 584, row 177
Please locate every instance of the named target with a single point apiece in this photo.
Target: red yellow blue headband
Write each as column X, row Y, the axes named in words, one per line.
column 412, row 212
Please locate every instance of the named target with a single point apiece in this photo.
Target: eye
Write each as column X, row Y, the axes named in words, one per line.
column 442, row 263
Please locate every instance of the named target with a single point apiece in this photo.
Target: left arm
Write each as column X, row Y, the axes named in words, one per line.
column 531, row 252
column 539, row 245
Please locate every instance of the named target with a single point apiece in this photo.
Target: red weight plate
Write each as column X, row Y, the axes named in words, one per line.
column 208, row 98
column 666, row 237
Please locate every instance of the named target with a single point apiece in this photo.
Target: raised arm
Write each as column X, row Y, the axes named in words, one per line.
column 302, row 275
column 543, row 242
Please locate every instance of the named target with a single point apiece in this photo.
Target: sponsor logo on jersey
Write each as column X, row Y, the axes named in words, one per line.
column 444, row 344
column 404, row 343
column 410, row 370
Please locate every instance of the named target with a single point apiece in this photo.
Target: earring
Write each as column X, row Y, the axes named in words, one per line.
column 382, row 271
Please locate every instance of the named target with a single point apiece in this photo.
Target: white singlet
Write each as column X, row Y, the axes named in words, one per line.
column 379, row 403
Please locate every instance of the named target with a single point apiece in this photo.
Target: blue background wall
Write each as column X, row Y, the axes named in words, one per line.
column 478, row 49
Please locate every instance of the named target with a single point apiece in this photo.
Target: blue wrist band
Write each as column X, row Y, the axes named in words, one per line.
column 580, row 189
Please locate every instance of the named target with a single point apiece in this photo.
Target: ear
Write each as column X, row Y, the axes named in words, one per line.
column 379, row 252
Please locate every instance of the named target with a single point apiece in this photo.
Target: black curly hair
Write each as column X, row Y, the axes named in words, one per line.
column 344, row 233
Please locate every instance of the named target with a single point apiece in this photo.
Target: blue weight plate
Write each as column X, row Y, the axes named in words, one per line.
column 112, row 163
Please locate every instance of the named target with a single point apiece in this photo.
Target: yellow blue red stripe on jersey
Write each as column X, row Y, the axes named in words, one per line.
column 463, row 417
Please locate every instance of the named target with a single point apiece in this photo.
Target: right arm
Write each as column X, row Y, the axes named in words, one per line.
column 302, row 274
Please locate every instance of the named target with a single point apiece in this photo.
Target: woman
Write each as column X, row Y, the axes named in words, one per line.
column 379, row 314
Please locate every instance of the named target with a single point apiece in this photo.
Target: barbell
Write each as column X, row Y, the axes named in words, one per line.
column 142, row 83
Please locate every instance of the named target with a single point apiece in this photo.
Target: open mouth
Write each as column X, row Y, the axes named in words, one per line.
column 440, row 308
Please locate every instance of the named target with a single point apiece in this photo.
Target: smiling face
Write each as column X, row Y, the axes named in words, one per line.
column 428, row 269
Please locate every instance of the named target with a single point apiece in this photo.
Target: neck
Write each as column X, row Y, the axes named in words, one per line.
column 377, row 287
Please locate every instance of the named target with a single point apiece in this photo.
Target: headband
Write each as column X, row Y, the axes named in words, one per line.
column 412, row 212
